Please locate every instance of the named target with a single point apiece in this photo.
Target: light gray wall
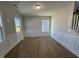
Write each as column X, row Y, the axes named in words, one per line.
column 11, row 39
column 33, row 26
column 61, row 28
column 62, row 19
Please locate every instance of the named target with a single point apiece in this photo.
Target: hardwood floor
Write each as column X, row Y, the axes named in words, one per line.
column 39, row 47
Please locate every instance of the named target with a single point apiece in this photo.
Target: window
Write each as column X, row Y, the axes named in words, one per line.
column 1, row 33
column 17, row 24
column 45, row 25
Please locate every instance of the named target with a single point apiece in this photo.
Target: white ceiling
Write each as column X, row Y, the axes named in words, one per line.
column 26, row 7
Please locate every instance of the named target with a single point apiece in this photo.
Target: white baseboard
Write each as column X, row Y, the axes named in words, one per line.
column 10, row 42
column 71, row 42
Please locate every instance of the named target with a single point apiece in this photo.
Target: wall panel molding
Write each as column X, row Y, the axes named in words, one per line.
column 69, row 41
column 9, row 43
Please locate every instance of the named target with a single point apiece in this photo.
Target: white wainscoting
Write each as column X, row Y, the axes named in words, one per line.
column 71, row 42
column 9, row 43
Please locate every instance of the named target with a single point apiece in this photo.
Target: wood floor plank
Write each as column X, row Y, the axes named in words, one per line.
column 39, row 47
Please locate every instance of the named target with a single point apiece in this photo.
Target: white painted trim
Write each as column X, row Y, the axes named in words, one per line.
column 69, row 34
column 62, row 37
column 10, row 42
